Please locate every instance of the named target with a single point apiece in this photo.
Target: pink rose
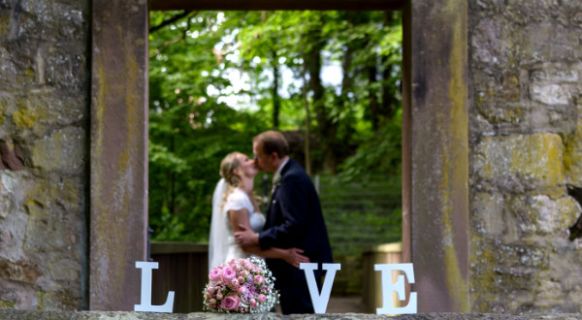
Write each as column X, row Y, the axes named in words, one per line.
column 258, row 279
column 215, row 274
column 228, row 273
column 262, row 298
column 242, row 290
column 231, row 302
column 234, row 283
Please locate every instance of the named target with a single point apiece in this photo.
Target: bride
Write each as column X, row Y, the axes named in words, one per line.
column 233, row 206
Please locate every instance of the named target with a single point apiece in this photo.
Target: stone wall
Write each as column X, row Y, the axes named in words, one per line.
column 526, row 149
column 44, row 90
column 85, row 315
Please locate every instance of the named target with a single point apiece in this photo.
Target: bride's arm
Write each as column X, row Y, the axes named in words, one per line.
column 239, row 221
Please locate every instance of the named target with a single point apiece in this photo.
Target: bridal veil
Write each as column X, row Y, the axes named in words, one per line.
column 218, row 240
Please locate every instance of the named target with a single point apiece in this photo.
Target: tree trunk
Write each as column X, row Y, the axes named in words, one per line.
column 326, row 130
column 276, row 98
column 388, row 99
column 374, row 104
column 347, row 80
column 307, row 138
column 172, row 200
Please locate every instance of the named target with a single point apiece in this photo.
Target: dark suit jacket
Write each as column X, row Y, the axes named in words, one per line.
column 294, row 218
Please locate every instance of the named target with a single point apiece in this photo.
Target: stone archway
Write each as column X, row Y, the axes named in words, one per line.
column 435, row 154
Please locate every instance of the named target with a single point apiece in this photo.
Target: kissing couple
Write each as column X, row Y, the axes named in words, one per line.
column 292, row 232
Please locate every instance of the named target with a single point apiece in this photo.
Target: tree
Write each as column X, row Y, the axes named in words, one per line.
column 218, row 78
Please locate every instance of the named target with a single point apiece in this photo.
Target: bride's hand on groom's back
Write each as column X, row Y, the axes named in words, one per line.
column 295, row 257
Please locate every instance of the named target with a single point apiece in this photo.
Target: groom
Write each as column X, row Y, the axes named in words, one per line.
column 294, row 220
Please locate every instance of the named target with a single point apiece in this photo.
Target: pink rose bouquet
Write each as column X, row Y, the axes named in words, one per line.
column 240, row 286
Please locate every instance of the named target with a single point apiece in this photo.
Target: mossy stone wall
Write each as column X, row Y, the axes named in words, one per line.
column 526, row 149
column 44, row 106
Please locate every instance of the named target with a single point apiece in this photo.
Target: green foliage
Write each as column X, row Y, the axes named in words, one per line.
column 211, row 91
column 379, row 154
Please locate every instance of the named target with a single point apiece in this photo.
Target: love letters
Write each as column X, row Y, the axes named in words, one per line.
column 319, row 299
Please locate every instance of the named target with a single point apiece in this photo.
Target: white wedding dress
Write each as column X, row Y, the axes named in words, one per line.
column 222, row 246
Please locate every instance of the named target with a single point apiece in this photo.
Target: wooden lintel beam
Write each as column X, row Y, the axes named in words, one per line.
column 163, row 5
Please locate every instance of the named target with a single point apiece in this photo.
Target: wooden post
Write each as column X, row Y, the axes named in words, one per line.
column 118, row 209
column 439, row 155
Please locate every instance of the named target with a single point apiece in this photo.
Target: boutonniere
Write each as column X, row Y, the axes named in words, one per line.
column 276, row 181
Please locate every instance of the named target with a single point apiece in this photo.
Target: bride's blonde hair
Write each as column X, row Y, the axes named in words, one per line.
column 228, row 165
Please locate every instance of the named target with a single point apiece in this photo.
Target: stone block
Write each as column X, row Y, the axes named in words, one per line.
column 566, row 264
column 66, row 193
column 549, row 293
column 47, row 223
column 551, row 94
column 548, row 41
column 527, row 12
column 554, row 83
column 542, row 214
column 15, row 184
column 17, row 295
column 64, row 269
column 66, row 69
column 6, row 105
column 504, row 276
column 574, row 296
column 8, row 69
column 62, row 151
column 8, row 197
column 573, row 156
column 520, row 162
column 12, row 234
column 11, row 154
column 487, row 42
column 18, row 271
column 63, row 299
column 502, row 87
column 39, row 112
column 554, row 73
column 4, row 23
column 523, row 256
column 532, row 99
column 513, row 114
column 488, row 209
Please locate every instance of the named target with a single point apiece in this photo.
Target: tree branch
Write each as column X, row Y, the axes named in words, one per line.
column 170, row 20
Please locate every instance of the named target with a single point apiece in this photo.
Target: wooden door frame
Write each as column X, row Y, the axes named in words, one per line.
column 435, row 143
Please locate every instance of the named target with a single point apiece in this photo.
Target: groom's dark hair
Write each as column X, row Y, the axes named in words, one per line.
column 273, row 141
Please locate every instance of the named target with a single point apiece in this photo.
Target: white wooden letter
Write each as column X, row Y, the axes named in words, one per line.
column 145, row 303
column 388, row 287
column 318, row 300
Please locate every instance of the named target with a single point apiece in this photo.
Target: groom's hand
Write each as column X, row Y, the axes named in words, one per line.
column 245, row 237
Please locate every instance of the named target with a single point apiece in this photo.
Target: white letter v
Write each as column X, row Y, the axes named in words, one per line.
column 320, row 300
